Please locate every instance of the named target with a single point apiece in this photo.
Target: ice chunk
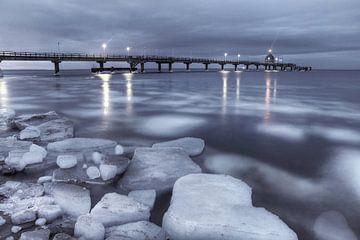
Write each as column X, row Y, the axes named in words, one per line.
column 30, row 132
column 32, row 157
column 50, row 212
column 93, row 172
column 37, row 148
column 97, row 158
column 74, row 200
column 157, row 168
column 9, row 144
column 333, row 226
column 10, row 187
column 142, row 230
column 23, row 217
column 63, row 236
column 193, row 146
column 44, row 179
column 146, row 197
column 207, row 206
column 16, row 229
column 40, row 234
column 82, row 145
column 2, row 221
column 87, row 227
column 33, row 190
column 119, row 150
column 40, row 222
column 66, row 161
column 115, row 209
column 15, row 160
column 107, row 171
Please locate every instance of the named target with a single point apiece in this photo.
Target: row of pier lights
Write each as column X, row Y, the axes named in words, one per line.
column 274, row 66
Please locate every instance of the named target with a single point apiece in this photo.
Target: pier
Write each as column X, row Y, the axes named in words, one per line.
column 135, row 61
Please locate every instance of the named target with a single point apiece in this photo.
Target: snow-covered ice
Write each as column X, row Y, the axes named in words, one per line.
column 193, row 146
column 32, row 157
column 115, row 209
column 40, row 222
column 30, row 132
column 66, row 161
column 157, row 168
column 146, row 197
column 142, row 230
column 88, row 228
column 82, row 145
column 37, row 148
column 23, row 217
column 107, row 172
column 50, row 212
column 208, row 206
column 74, row 200
column 2, row 221
column 119, row 150
column 93, row 172
column 39, row 234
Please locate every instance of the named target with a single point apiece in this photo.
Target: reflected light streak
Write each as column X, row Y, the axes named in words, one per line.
column 129, row 92
column 267, row 113
column 3, row 95
column 224, row 92
column 106, row 92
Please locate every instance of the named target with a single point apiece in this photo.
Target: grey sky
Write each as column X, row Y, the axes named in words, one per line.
column 322, row 33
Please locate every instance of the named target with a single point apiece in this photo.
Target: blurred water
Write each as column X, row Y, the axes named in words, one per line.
column 294, row 137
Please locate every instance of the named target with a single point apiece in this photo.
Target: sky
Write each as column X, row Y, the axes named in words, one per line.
column 321, row 33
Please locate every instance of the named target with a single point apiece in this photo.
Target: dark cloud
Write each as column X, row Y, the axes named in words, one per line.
column 308, row 32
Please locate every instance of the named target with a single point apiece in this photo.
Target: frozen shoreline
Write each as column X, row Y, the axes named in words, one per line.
column 46, row 143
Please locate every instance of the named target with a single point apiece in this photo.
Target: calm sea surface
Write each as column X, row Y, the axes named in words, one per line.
column 293, row 137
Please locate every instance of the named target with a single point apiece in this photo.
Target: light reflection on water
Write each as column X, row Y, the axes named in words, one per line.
column 283, row 127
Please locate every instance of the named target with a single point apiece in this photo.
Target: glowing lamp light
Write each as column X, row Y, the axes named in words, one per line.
column 270, row 50
column 104, row 46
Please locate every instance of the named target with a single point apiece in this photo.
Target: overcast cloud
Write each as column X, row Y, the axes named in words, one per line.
column 322, row 33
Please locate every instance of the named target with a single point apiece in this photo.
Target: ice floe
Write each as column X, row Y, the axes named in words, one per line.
column 88, row 228
column 142, row 230
column 193, row 146
column 146, row 197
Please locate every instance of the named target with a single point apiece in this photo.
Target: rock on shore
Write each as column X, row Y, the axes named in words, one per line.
column 157, row 168
column 207, row 206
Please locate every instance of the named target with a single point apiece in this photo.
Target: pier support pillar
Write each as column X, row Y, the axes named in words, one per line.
column 101, row 64
column 170, row 67
column 187, row 66
column 159, row 67
column 236, row 67
column 257, row 67
column 142, row 67
column 206, row 66
column 247, row 66
column 56, row 67
column 274, row 67
column 222, row 67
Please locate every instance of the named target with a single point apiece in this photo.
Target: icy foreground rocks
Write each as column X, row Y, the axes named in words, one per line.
column 51, row 126
column 41, row 234
column 146, row 197
column 73, row 200
column 192, row 146
column 88, row 228
column 115, row 209
column 157, row 168
column 142, row 230
column 207, row 206
column 73, row 145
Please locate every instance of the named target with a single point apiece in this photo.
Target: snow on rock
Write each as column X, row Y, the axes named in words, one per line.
column 332, row 225
column 82, row 145
column 30, row 132
column 37, row 148
column 50, row 212
column 119, row 150
column 142, row 230
column 2, row 221
column 107, row 172
column 40, row 222
column 208, row 206
column 146, row 197
column 192, row 146
column 93, row 172
column 32, row 158
column 157, row 168
column 23, row 217
column 44, row 179
column 115, row 209
column 66, row 161
column 40, row 234
column 74, row 200
column 89, row 228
